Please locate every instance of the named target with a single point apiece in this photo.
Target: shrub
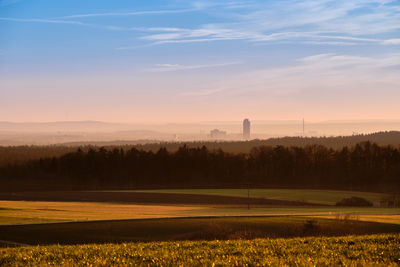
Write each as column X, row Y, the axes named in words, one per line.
column 354, row 202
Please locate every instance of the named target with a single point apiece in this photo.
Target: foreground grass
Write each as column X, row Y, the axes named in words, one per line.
column 372, row 250
column 324, row 197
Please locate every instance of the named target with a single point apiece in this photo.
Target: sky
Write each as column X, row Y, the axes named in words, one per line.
column 193, row 61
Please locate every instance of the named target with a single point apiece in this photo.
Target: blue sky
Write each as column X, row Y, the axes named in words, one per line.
column 187, row 61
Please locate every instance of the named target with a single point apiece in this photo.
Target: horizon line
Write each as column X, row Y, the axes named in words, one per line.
column 203, row 122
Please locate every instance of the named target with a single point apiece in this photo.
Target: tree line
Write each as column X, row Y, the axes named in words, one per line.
column 20, row 154
column 365, row 166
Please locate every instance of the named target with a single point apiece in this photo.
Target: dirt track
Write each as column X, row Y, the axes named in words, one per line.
column 145, row 198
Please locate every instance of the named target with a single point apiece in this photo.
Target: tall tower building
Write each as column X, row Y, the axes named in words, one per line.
column 246, row 129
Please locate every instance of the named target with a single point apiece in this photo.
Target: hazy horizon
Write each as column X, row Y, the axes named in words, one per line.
column 205, row 121
column 96, row 131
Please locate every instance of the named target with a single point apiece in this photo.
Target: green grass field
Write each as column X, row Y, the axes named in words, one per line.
column 324, row 197
column 370, row 250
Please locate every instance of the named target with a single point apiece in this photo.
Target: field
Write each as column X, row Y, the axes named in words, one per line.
column 167, row 229
column 15, row 212
column 180, row 227
column 382, row 218
column 148, row 197
column 52, row 206
column 370, row 250
column 322, row 197
column 20, row 212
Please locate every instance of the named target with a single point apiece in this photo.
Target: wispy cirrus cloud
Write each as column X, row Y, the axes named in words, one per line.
column 317, row 74
column 70, row 22
column 330, row 43
column 48, row 21
column 202, row 92
column 327, row 22
column 292, row 20
column 213, row 33
column 127, row 14
column 392, row 42
column 179, row 67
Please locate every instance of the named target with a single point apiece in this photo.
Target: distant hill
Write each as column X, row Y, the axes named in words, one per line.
column 381, row 138
column 111, row 143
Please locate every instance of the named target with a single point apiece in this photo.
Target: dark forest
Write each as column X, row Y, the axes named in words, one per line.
column 364, row 166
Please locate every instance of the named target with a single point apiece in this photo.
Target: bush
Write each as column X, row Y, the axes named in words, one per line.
column 354, row 202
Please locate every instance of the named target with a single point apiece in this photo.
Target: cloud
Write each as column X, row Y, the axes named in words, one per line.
column 292, row 20
column 198, row 40
column 178, row 67
column 48, row 21
column 164, row 36
column 202, row 93
column 181, row 41
column 70, row 22
column 126, row 14
column 208, row 34
column 324, row 22
column 329, row 43
column 391, row 42
column 321, row 74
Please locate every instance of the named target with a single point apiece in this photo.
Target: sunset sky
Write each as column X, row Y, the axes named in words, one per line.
column 192, row 61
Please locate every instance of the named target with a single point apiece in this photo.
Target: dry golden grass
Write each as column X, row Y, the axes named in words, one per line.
column 384, row 218
column 39, row 211
column 367, row 250
column 395, row 219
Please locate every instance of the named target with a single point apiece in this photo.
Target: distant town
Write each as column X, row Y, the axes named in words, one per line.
column 67, row 132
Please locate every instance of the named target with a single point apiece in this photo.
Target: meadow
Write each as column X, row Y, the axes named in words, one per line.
column 203, row 228
column 23, row 212
column 55, row 206
column 17, row 212
column 323, row 197
column 367, row 250
column 194, row 227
